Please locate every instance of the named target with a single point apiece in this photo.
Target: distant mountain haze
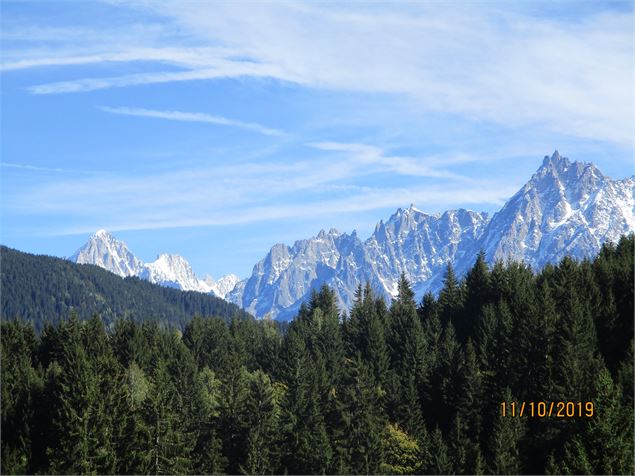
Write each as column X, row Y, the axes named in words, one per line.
column 566, row 208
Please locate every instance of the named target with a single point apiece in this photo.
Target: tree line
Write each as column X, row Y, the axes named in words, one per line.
column 42, row 289
column 405, row 388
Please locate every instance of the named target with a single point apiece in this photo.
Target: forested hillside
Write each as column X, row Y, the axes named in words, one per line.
column 42, row 289
column 394, row 389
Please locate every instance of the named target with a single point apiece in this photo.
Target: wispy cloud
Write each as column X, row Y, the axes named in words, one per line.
column 505, row 66
column 45, row 169
column 190, row 57
column 193, row 117
column 369, row 200
column 410, row 166
column 223, row 69
column 268, row 190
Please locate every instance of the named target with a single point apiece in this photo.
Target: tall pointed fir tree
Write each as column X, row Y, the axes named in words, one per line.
column 576, row 358
column 261, row 416
column 20, row 387
column 505, row 440
column 78, row 420
column 170, row 442
column 363, row 422
column 606, row 444
column 207, row 455
column 305, row 444
column 477, row 294
column 408, row 349
column 451, row 298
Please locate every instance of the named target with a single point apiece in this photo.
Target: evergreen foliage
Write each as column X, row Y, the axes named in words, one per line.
column 390, row 389
column 44, row 289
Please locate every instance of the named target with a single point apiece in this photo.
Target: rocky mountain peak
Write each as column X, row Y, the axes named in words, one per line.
column 555, row 160
column 566, row 208
column 101, row 233
column 104, row 250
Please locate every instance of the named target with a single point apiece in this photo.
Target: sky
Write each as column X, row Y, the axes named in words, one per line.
column 215, row 130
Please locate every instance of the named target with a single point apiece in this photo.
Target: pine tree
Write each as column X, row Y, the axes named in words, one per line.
column 440, row 461
column 362, row 419
column 477, row 294
column 606, row 446
column 261, row 417
column 305, row 444
column 131, row 438
column 470, row 393
column 366, row 335
column 235, row 393
column 450, row 298
column 576, row 348
column 171, row 442
column 20, row 386
column 207, row 455
column 504, row 445
column 78, row 418
column 458, row 446
column 445, row 380
column 408, row 350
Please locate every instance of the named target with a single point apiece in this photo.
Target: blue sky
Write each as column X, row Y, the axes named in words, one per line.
column 215, row 130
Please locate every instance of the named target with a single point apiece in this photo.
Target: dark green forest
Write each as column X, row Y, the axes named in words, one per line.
column 393, row 388
column 42, row 289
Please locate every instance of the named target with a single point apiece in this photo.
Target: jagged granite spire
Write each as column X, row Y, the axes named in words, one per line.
column 566, row 208
column 104, row 250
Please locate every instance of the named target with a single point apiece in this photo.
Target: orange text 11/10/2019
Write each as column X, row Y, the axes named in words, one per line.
column 547, row 409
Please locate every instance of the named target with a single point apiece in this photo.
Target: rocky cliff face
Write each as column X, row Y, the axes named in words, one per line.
column 105, row 251
column 566, row 208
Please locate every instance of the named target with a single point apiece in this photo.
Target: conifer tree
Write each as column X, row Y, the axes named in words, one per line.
column 362, row 419
column 131, row 436
column 477, row 294
column 606, row 446
column 440, row 461
column 207, row 454
column 504, row 444
column 576, row 348
column 20, row 384
column 450, row 297
column 77, row 419
column 261, row 415
column 470, row 393
column 305, row 443
column 170, row 442
column 408, row 349
column 235, row 393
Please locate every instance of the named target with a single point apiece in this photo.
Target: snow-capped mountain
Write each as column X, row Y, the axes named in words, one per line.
column 285, row 277
column 105, row 251
column 566, row 208
column 412, row 242
column 420, row 245
column 224, row 284
column 175, row 272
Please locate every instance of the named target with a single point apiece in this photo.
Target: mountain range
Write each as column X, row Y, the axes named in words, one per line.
column 566, row 208
column 104, row 250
